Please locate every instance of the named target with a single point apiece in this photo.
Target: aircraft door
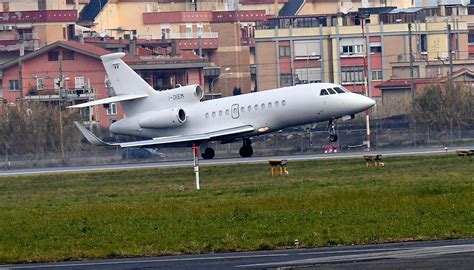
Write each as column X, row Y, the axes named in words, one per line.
column 235, row 111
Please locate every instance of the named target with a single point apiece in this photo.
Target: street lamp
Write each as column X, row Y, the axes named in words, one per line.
column 212, row 82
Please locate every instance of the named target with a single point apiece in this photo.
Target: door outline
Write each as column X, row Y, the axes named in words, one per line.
column 235, row 111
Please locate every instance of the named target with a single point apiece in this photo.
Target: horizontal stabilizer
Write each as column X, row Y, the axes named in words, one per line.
column 109, row 100
column 90, row 136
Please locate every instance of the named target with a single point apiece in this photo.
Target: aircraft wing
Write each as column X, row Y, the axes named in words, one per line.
column 166, row 140
column 109, row 100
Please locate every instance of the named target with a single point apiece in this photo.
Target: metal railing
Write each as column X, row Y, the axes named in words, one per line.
column 193, row 35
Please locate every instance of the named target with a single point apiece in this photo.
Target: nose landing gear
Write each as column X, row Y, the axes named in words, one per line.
column 332, row 131
column 246, row 150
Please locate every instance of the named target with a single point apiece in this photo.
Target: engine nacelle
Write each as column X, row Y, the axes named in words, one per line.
column 162, row 119
column 184, row 94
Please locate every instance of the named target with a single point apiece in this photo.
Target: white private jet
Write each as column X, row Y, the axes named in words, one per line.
column 177, row 117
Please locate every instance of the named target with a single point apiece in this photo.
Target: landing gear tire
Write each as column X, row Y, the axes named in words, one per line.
column 333, row 138
column 208, row 153
column 246, row 150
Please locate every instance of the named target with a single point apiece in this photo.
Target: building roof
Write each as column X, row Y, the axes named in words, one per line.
column 403, row 84
column 405, row 10
column 183, row 60
column 291, row 8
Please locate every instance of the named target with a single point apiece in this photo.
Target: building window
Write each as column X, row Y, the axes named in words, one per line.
column 377, row 75
column 423, row 43
column 352, row 49
column 285, row 51
column 308, row 75
column 39, row 83
column 14, row 85
column 79, row 82
column 286, row 79
column 358, row 49
column 53, row 56
column 375, row 49
column 68, row 55
column 112, row 109
column 470, row 36
column 347, row 50
column 352, row 75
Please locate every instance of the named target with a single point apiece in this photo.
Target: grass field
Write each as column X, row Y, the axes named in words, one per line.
column 142, row 212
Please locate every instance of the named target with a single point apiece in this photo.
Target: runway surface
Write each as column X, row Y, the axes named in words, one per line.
column 226, row 161
column 451, row 254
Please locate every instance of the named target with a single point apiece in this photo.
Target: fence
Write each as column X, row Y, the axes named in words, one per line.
column 298, row 140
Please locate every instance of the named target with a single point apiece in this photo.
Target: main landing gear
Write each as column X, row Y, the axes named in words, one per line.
column 332, row 131
column 246, row 150
column 208, row 153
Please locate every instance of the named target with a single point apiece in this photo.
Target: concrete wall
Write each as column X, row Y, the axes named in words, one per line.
column 266, row 59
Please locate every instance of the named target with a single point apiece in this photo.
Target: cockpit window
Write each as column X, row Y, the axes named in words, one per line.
column 323, row 92
column 339, row 90
column 332, row 92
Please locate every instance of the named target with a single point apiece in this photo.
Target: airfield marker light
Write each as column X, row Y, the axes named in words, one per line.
column 196, row 165
column 297, row 243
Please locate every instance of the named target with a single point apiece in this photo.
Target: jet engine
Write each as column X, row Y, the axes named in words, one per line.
column 162, row 119
column 184, row 94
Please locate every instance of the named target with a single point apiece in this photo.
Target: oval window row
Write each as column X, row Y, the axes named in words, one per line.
column 256, row 107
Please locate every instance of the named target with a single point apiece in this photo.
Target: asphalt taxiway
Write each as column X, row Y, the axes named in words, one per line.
column 450, row 254
column 223, row 161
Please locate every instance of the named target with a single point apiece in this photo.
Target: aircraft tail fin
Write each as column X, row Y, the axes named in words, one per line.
column 123, row 79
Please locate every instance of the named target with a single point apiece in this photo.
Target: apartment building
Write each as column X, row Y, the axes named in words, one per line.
column 373, row 42
column 26, row 26
column 34, row 77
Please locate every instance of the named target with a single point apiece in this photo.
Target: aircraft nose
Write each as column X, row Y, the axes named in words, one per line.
column 368, row 102
column 362, row 103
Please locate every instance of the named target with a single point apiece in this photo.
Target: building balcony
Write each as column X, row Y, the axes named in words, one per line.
column 239, row 16
column 248, row 41
column 14, row 45
column 39, row 16
column 27, row 36
column 192, row 35
column 48, row 95
column 193, row 44
column 176, row 17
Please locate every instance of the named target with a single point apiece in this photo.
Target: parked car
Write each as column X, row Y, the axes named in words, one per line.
column 142, row 153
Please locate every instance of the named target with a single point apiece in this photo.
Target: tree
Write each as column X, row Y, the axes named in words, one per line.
column 445, row 107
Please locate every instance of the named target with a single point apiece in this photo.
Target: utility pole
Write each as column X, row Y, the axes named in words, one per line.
column 412, row 83
column 450, row 54
column 366, row 80
column 61, row 97
column 20, row 80
column 410, row 46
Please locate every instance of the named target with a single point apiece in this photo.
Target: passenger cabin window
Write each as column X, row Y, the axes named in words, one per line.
column 263, row 106
column 277, row 103
column 207, row 115
column 324, row 92
column 332, row 92
column 256, row 107
column 249, row 108
column 227, row 112
column 283, row 102
column 269, row 105
column 213, row 114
